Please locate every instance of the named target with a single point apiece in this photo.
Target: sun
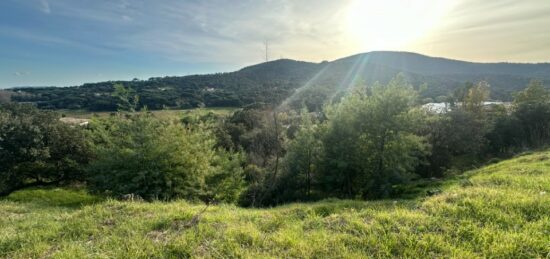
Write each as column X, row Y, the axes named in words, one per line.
column 393, row 24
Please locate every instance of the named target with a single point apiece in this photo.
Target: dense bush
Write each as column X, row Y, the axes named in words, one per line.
column 301, row 163
column 528, row 125
column 36, row 148
column 158, row 159
column 370, row 143
column 359, row 148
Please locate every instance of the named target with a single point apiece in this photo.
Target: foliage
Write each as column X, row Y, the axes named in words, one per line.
column 301, row 162
column 458, row 137
column 370, row 142
column 528, row 126
column 300, row 83
column 475, row 96
column 454, row 136
column 532, row 109
column 36, row 148
column 157, row 159
column 127, row 99
column 360, row 148
column 501, row 211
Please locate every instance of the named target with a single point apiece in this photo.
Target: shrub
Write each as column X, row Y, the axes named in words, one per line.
column 158, row 159
column 37, row 149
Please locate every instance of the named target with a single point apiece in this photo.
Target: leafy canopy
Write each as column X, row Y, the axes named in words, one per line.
column 36, row 148
column 157, row 159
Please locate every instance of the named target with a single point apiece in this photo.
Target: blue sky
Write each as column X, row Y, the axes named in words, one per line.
column 69, row 42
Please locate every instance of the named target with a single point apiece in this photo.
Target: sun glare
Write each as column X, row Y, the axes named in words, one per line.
column 392, row 24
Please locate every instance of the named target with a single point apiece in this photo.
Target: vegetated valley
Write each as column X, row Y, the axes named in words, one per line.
column 337, row 159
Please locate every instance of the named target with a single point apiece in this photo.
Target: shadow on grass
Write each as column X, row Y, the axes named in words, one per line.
column 422, row 188
column 69, row 197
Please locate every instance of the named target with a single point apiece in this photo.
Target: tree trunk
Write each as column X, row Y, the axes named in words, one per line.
column 382, row 179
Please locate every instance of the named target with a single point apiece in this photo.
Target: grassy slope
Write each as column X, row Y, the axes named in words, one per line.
column 502, row 210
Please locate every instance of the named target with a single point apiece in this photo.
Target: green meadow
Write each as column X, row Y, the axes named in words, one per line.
column 498, row 211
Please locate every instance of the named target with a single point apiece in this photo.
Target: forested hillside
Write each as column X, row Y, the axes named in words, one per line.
column 299, row 83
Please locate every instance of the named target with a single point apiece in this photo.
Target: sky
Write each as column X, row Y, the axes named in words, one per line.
column 70, row 42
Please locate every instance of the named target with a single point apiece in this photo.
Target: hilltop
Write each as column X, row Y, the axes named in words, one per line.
column 297, row 82
column 500, row 210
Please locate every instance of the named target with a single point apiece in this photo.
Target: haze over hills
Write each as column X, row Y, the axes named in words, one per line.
column 297, row 82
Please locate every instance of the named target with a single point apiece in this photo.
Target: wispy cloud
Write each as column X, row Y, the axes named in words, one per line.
column 41, row 38
column 207, row 31
column 180, row 36
column 45, row 6
column 19, row 73
column 504, row 30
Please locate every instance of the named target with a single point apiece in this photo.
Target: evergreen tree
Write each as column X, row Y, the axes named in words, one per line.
column 158, row 159
column 370, row 143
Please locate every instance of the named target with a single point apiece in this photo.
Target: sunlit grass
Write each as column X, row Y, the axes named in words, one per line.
column 167, row 114
column 502, row 211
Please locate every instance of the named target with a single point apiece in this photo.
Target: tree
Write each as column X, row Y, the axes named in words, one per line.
column 156, row 159
column 300, row 164
column 259, row 132
column 534, row 94
column 127, row 99
column 457, row 139
column 475, row 97
column 532, row 110
column 370, row 143
column 38, row 149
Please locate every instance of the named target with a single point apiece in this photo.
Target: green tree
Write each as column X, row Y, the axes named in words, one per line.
column 532, row 110
column 457, row 140
column 475, row 97
column 127, row 99
column 158, row 159
column 534, row 93
column 301, row 161
column 370, row 143
column 38, row 149
column 260, row 133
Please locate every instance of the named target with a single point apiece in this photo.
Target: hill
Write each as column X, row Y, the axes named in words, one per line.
column 294, row 82
column 501, row 210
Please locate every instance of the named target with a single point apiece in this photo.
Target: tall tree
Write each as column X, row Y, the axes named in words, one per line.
column 301, row 161
column 371, row 142
column 532, row 109
column 475, row 97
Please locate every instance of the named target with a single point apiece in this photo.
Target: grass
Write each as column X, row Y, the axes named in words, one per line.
column 498, row 211
column 79, row 114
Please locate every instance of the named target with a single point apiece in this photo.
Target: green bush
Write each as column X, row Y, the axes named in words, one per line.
column 36, row 148
column 370, row 143
column 159, row 159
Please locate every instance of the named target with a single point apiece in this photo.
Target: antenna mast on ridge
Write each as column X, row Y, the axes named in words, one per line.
column 266, row 43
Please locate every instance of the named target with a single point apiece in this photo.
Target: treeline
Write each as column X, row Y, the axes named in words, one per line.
column 219, row 90
column 296, row 83
column 365, row 146
column 259, row 84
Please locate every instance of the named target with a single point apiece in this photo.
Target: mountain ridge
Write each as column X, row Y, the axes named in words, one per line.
column 275, row 81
